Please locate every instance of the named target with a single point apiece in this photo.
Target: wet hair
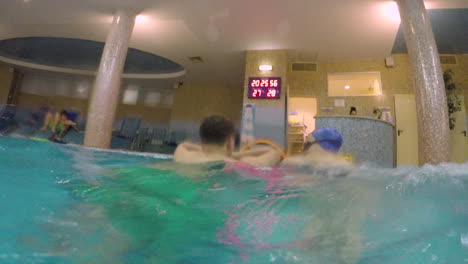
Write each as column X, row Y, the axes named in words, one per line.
column 352, row 109
column 65, row 113
column 216, row 130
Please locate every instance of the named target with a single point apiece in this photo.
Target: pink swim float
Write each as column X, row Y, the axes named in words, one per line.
column 272, row 176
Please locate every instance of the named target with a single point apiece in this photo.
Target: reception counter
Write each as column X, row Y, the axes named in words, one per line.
column 368, row 140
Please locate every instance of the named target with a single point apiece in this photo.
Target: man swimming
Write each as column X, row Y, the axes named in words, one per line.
column 217, row 144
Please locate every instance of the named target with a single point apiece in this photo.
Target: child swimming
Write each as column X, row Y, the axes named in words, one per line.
column 320, row 150
column 59, row 125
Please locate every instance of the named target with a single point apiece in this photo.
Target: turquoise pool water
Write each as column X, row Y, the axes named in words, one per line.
column 65, row 204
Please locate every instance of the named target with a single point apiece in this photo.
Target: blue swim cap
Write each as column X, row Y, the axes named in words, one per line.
column 328, row 138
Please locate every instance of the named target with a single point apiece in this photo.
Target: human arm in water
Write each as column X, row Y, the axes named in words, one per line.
column 190, row 153
column 259, row 156
column 317, row 157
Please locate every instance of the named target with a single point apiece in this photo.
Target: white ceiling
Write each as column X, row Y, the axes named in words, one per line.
column 220, row 30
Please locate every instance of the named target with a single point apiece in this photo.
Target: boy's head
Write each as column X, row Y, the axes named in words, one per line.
column 218, row 131
column 63, row 116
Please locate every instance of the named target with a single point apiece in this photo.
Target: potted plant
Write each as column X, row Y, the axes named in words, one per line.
column 453, row 102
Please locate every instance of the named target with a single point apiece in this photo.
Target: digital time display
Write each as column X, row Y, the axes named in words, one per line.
column 264, row 88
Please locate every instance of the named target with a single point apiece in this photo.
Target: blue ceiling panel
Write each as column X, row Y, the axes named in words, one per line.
column 450, row 28
column 80, row 54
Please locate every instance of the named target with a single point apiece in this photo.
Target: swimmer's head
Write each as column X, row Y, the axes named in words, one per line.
column 63, row 116
column 218, row 131
column 329, row 139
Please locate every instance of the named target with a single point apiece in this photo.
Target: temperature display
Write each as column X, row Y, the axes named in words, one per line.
column 264, row 88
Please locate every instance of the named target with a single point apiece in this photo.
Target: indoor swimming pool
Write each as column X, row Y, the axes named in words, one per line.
column 68, row 204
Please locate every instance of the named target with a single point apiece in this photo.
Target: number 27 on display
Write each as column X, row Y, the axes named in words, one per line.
column 258, row 93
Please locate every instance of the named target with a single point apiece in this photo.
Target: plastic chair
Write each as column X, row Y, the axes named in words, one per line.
column 130, row 127
column 7, row 119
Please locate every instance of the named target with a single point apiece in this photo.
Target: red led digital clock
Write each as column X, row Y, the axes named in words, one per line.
column 264, row 88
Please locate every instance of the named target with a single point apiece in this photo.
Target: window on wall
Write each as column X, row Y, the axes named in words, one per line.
column 130, row 96
column 354, row 84
column 38, row 85
column 82, row 88
column 153, row 98
column 63, row 87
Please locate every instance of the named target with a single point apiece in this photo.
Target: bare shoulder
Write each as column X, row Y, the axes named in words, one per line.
column 187, row 152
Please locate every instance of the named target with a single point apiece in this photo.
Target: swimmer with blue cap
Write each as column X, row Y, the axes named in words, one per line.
column 320, row 149
column 329, row 139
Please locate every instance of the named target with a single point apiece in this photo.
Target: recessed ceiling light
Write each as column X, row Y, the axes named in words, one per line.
column 265, row 67
column 347, row 87
column 391, row 11
column 196, row 59
column 140, row 19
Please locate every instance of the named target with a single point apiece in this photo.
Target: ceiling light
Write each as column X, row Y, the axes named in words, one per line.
column 140, row 19
column 431, row 5
column 265, row 67
column 391, row 11
column 196, row 59
column 347, row 87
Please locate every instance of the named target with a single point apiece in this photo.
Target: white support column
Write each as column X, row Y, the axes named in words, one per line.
column 105, row 96
column 431, row 100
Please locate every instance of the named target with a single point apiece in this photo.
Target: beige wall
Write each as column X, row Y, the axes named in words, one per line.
column 461, row 76
column 6, row 77
column 26, row 100
column 150, row 114
column 396, row 80
column 279, row 60
column 194, row 101
column 270, row 114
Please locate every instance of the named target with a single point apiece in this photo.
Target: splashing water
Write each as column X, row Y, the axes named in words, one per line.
column 63, row 204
